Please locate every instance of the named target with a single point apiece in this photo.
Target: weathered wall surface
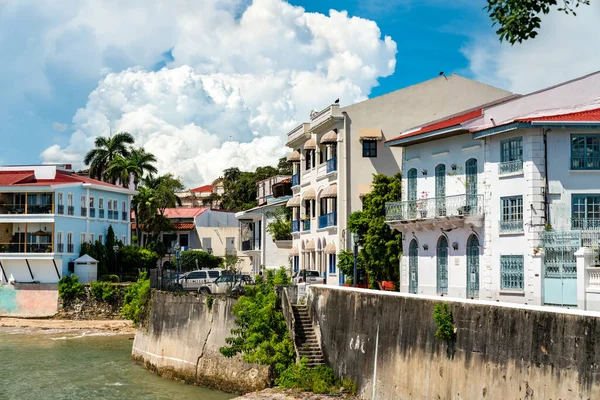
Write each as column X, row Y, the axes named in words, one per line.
column 182, row 337
column 385, row 342
column 28, row 300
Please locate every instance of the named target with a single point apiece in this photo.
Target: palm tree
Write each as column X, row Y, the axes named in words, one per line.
column 143, row 163
column 106, row 150
column 121, row 169
column 144, row 208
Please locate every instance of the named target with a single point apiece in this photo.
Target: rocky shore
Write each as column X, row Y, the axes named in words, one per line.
column 120, row 326
column 283, row 394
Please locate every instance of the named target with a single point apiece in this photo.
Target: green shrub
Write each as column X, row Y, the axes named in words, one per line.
column 443, row 319
column 137, row 299
column 109, row 278
column 320, row 379
column 209, row 302
column 105, row 291
column 349, row 386
column 132, row 259
column 198, row 259
column 69, row 288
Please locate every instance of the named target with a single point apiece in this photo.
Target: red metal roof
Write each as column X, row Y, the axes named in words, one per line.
column 27, row 178
column 203, row 189
column 579, row 116
column 184, row 212
column 447, row 123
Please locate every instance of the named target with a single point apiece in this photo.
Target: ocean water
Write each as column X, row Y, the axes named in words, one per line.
column 68, row 365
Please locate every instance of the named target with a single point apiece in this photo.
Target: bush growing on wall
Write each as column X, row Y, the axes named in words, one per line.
column 133, row 259
column 104, row 290
column 197, row 259
column 69, row 288
column 320, row 379
column 137, row 300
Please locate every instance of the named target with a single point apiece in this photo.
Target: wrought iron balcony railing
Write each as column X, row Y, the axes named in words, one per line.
column 83, row 211
column 306, row 225
column 328, row 220
column 70, row 210
column 70, row 248
column 101, row 213
column 59, row 247
column 331, row 165
column 513, row 226
column 585, row 224
column 585, row 163
column 61, row 209
column 510, row 167
column 461, row 205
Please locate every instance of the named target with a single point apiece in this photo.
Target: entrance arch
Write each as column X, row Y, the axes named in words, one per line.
column 413, row 267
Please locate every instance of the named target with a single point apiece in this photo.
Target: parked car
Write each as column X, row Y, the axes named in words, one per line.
column 193, row 280
column 307, row 276
column 225, row 283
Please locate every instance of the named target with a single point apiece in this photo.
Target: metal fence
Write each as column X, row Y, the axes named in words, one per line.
column 164, row 279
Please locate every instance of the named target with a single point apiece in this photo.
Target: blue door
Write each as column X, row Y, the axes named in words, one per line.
column 560, row 267
column 442, row 265
column 473, row 267
column 413, row 267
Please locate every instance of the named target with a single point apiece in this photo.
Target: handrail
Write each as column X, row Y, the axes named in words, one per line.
column 290, row 320
column 461, row 205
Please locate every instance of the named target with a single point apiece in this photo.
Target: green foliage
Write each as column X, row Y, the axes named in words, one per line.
column 261, row 335
column 233, row 263
column 209, row 302
column 137, row 300
column 197, row 259
column 105, row 291
column 443, row 319
column 158, row 247
column 320, row 379
column 345, row 263
column 381, row 245
column 519, row 20
column 280, row 223
column 105, row 151
column 109, row 278
column 111, row 242
column 133, row 259
column 284, row 166
column 69, row 288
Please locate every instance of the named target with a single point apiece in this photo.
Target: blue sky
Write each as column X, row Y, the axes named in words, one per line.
column 217, row 83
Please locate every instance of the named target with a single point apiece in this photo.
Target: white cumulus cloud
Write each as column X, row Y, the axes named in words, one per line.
column 239, row 76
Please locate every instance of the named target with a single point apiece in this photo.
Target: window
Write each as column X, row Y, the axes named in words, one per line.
column 369, row 148
column 124, row 210
column 70, row 242
column 91, row 238
column 60, row 199
column 585, row 211
column 511, row 156
column 411, row 194
column 123, row 239
column 83, row 206
column 61, row 206
column 213, row 274
column 332, row 264
column 585, row 151
column 100, row 207
column 101, row 238
column 512, row 214
column 183, row 240
column 70, row 199
column 202, row 275
column 91, row 202
column 511, row 273
column 59, row 242
column 82, row 238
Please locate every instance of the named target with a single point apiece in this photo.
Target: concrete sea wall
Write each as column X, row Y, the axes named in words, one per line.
column 385, row 342
column 29, row 300
column 181, row 339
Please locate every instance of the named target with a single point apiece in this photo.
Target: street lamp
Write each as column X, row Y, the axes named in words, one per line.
column 116, row 250
column 177, row 249
column 355, row 237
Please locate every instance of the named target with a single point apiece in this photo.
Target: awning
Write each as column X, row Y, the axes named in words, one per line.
column 294, row 252
column 364, row 189
column 293, row 202
column 329, row 137
column 310, row 194
column 330, row 249
column 310, row 246
column 294, row 156
column 370, row 134
column 310, row 144
column 330, row 191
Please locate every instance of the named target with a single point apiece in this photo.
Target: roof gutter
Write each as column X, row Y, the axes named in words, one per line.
column 426, row 135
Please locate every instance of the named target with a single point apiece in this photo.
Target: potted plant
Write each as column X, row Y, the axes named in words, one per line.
column 422, row 204
column 280, row 227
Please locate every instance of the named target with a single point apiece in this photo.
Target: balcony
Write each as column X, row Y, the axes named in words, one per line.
column 71, row 210
column 510, row 167
column 26, row 209
column 331, row 165
column 83, row 211
column 447, row 212
column 295, row 226
column 328, row 220
column 61, row 209
column 70, row 248
column 19, row 248
column 585, row 224
column 251, row 245
column 59, row 247
column 101, row 213
column 306, row 225
column 295, row 180
column 124, row 215
column 514, row 226
column 92, row 213
column 110, row 214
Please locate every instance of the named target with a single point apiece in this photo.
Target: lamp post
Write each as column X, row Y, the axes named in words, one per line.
column 355, row 238
column 116, row 250
column 177, row 249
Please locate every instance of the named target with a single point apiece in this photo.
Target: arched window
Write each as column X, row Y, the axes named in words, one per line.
column 442, row 265
column 412, row 193
column 471, row 184
column 473, row 267
column 413, row 267
column 440, row 189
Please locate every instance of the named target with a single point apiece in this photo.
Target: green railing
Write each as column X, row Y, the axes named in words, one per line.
column 447, row 206
column 513, row 226
column 510, row 167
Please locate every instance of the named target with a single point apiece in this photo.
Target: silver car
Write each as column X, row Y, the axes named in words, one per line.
column 226, row 283
column 194, row 280
column 307, row 276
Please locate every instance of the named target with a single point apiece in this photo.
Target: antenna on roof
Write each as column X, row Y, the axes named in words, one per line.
column 442, row 74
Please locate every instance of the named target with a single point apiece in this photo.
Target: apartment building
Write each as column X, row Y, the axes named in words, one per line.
column 336, row 153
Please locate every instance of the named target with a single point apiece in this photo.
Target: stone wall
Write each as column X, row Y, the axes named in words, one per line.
column 182, row 337
column 90, row 308
column 28, row 300
column 385, row 343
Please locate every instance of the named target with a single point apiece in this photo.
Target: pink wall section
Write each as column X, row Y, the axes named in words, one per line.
column 28, row 300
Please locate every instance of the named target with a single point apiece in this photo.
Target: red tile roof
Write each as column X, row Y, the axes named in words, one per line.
column 579, row 116
column 447, row 123
column 27, row 178
column 202, row 189
column 184, row 212
column 184, row 226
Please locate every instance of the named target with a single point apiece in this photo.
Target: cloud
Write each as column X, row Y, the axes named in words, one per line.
column 238, row 77
column 59, row 127
column 564, row 49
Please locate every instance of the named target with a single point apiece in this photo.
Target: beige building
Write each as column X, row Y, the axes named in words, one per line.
column 203, row 196
column 335, row 155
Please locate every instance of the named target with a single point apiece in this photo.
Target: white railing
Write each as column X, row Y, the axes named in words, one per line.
column 448, row 206
column 593, row 279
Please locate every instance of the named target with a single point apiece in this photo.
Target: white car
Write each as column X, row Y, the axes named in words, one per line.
column 226, row 283
column 193, row 280
column 307, row 276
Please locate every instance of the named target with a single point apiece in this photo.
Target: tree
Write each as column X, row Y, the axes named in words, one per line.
column 345, row 263
column 106, row 150
column 111, row 255
column 164, row 194
column 280, row 223
column 519, row 20
column 120, row 170
column 284, row 166
column 198, row 259
column 381, row 246
column 143, row 164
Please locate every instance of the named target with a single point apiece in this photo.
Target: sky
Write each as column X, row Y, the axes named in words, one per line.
column 211, row 84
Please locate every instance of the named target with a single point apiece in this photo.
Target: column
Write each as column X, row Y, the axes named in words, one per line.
column 585, row 260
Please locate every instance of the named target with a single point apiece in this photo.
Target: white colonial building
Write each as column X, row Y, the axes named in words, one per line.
column 335, row 155
column 502, row 201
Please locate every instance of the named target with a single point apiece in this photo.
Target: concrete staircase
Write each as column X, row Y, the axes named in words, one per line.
column 306, row 339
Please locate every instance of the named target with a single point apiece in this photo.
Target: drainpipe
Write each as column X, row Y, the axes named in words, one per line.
column 263, row 237
column 546, row 179
column 345, row 184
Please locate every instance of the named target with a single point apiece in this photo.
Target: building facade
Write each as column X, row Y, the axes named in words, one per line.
column 498, row 200
column 335, row 155
column 47, row 212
